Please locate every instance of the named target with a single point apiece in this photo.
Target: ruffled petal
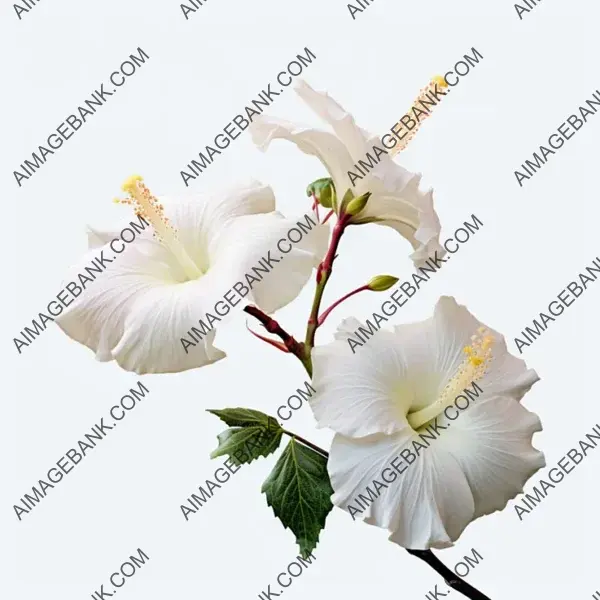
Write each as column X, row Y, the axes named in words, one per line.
column 425, row 504
column 491, row 440
column 98, row 317
column 159, row 319
column 353, row 138
column 454, row 326
column 413, row 218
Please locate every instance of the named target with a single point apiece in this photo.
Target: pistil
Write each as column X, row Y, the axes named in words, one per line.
column 425, row 96
column 477, row 358
column 148, row 207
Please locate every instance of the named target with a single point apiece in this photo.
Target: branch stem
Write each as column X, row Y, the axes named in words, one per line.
column 453, row 580
column 323, row 273
column 272, row 326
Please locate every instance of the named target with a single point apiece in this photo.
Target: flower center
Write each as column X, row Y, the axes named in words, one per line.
column 473, row 368
column 148, row 207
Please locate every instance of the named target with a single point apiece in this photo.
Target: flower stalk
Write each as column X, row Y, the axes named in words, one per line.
column 322, row 318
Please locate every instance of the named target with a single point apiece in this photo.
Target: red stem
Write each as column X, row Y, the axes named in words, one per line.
column 272, row 326
column 323, row 273
column 338, row 302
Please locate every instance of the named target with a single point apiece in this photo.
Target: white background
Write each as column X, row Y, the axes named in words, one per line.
column 126, row 494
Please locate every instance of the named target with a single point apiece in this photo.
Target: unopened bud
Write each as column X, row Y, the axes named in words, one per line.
column 327, row 197
column 380, row 283
column 323, row 190
column 357, row 205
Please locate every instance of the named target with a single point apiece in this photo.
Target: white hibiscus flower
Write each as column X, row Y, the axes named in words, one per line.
column 407, row 455
column 396, row 200
column 160, row 286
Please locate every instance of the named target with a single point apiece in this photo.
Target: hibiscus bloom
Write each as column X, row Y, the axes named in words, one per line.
column 162, row 284
column 396, row 199
column 432, row 464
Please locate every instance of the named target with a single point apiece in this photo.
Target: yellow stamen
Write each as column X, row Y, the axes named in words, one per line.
column 148, row 207
column 423, row 105
column 473, row 368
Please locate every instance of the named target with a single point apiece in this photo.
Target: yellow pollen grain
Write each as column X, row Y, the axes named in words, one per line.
column 130, row 185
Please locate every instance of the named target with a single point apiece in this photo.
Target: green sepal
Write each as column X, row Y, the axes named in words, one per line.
column 299, row 491
column 348, row 197
column 357, row 205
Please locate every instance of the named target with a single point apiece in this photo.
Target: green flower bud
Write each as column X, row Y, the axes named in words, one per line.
column 323, row 190
column 327, row 197
column 356, row 205
column 381, row 283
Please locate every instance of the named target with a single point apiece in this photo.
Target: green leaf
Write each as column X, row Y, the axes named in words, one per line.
column 244, row 417
column 253, row 434
column 245, row 444
column 299, row 491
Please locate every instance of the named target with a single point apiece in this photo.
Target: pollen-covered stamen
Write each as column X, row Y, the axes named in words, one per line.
column 420, row 110
column 148, row 207
column 477, row 359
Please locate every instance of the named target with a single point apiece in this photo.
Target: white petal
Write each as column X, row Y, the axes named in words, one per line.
column 491, row 440
column 404, row 208
column 201, row 220
column 359, row 394
column 353, row 138
column 314, row 142
column 454, row 327
column 371, row 390
column 251, row 242
column 347, row 328
column 100, row 317
column 427, row 506
column 98, row 237
column 159, row 318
